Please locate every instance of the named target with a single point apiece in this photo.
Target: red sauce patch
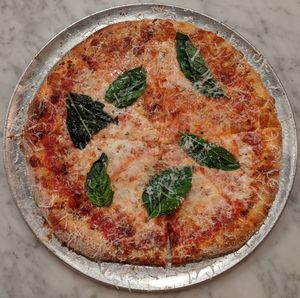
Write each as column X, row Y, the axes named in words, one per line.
column 252, row 138
column 67, row 83
column 75, row 198
column 85, row 208
column 55, row 165
column 255, row 140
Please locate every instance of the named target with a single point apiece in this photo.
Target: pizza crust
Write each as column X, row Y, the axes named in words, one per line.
column 222, row 210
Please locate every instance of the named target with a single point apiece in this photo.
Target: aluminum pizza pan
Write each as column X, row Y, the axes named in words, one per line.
column 145, row 278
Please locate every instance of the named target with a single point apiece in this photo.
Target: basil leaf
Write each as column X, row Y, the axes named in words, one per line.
column 97, row 184
column 195, row 69
column 208, row 154
column 85, row 118
column 182, row 57
column 127, row 88
column 166, row 191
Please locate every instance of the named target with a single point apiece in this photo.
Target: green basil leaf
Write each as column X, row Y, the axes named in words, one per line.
column 208, row 154
column 166, row 191
column 85, row 118
column 127, row 88
column 195, row 69
column 182, row 57
column 97, row 185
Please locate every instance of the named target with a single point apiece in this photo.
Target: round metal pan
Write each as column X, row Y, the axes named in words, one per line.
column 145, row 278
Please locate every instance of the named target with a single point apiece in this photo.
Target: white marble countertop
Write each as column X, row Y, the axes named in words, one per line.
column 28, row 269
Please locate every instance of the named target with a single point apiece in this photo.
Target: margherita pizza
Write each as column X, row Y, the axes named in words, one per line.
column 153, row 142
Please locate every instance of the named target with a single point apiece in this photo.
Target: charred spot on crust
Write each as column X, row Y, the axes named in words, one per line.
column 76, row 198
column 54, row 98
column 39, row 110
column 59, row 168
column 90, row 61
column 34, row 161
column 55, row 222
column 94, row 42
column 85, row 208
column 245, row 212
column 153, row 108
column 138, row 50
column 70, row 65
column 112, row 226
column 148, row 240
column 127, row 42
column 147, row 32
column 35, row 134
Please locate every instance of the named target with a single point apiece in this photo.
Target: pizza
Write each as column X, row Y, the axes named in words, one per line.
column 153, row 142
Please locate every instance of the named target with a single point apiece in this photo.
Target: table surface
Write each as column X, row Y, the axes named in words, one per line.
column 28, row 269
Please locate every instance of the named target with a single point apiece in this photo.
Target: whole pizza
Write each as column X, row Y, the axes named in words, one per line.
column 153, row 142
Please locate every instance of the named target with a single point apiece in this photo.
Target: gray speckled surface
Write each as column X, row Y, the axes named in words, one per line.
column 27, row 269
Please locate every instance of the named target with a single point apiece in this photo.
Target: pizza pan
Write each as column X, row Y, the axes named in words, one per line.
column 145, row 278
